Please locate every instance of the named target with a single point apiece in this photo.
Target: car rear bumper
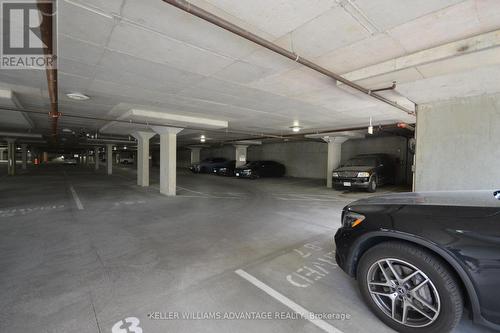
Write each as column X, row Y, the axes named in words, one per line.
column 351, row 182
column 243, row 174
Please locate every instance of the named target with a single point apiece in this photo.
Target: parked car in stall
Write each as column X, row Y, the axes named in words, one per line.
column 258, row 169
column 70, row 161
column 366, row 172
column 208, row 165
column 420, row 258
column 227, row 169
column 126, row 160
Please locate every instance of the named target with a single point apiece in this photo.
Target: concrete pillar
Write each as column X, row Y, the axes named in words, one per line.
column 109, row 158
column 24, row 153
column 45, row 157
column 143, row 156
column 168, row 159
column 2, row 150
column 96, row 158
column 11, row 156
column 333, row 157
column 195, row 155
column 241, row 155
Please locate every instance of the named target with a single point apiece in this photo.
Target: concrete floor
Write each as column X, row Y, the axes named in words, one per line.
column 81, row 251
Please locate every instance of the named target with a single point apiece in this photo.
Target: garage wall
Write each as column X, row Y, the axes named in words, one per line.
column 458, row 144
column 395, row 146
column 227, row 152
column 302, row 159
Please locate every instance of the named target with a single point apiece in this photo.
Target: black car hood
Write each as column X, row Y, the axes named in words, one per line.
column 355, row 168
column 482, row 198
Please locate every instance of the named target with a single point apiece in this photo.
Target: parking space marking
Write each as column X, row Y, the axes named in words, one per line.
column 76, row 198
column 288, row 302
column 206, row 196
column 27, row 210
column 186, row 189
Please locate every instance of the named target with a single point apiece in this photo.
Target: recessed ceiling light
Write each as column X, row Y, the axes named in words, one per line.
column 296, row 128
column 78, row 96
column 202, row 138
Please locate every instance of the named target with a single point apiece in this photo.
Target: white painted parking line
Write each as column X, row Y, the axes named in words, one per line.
column 186, row 189
column 288, row 302
column 76, row 198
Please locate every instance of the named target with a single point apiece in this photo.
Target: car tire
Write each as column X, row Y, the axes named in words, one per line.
column 447, row 305
column 372, row 184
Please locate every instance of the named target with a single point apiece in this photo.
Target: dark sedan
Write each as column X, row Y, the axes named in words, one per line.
column 208, row 165
column 366, row 172
column 258, row 169
column 420, row 258
column 227, row 169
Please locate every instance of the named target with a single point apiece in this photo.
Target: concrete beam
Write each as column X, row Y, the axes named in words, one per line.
column 333, row 156
column 168, row 158
column 195, row 154
column 109, row 158
column 454, row 49
column 24, row 154
column 241, row 155
column 143, row 156
column 96, row 158
column 11, row 156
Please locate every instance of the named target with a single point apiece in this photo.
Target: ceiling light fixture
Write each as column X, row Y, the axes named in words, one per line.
column 78, row 96
column 370, row 128
column 202, row 138
column 296, row 128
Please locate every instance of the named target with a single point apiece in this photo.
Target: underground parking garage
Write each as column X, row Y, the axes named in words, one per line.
column 243, row 166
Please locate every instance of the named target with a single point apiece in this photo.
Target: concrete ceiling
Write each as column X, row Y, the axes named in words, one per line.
column 145, row 54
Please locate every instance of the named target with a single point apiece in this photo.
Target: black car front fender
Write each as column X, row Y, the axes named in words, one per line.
column 370, row 239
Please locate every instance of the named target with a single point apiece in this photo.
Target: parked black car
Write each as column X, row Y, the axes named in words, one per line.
column 227, row 169
column 420, row 258
column 259, row 169
column 365, row 171
column 208, row 165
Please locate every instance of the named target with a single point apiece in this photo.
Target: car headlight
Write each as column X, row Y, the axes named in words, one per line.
column 352, row 219
column 364, row 174
column 335, row 175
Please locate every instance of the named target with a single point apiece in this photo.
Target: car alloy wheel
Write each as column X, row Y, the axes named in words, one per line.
column 403, row 292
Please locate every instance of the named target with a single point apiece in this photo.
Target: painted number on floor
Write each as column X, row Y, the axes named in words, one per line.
column 318, row 266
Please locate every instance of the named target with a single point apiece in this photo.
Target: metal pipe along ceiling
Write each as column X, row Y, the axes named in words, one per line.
column 46, row 28
column 220, row 22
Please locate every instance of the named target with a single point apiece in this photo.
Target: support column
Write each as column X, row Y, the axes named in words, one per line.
column 24, row 153
column 195, row 155
column 2, row 150
column 241, row 155
column 109, row 158
column 143, row 156
column 11, row 156
column 333, row 157
column 168, row 159
column 96, row 158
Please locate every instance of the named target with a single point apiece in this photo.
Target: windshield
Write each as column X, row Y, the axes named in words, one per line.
column 362, row 161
